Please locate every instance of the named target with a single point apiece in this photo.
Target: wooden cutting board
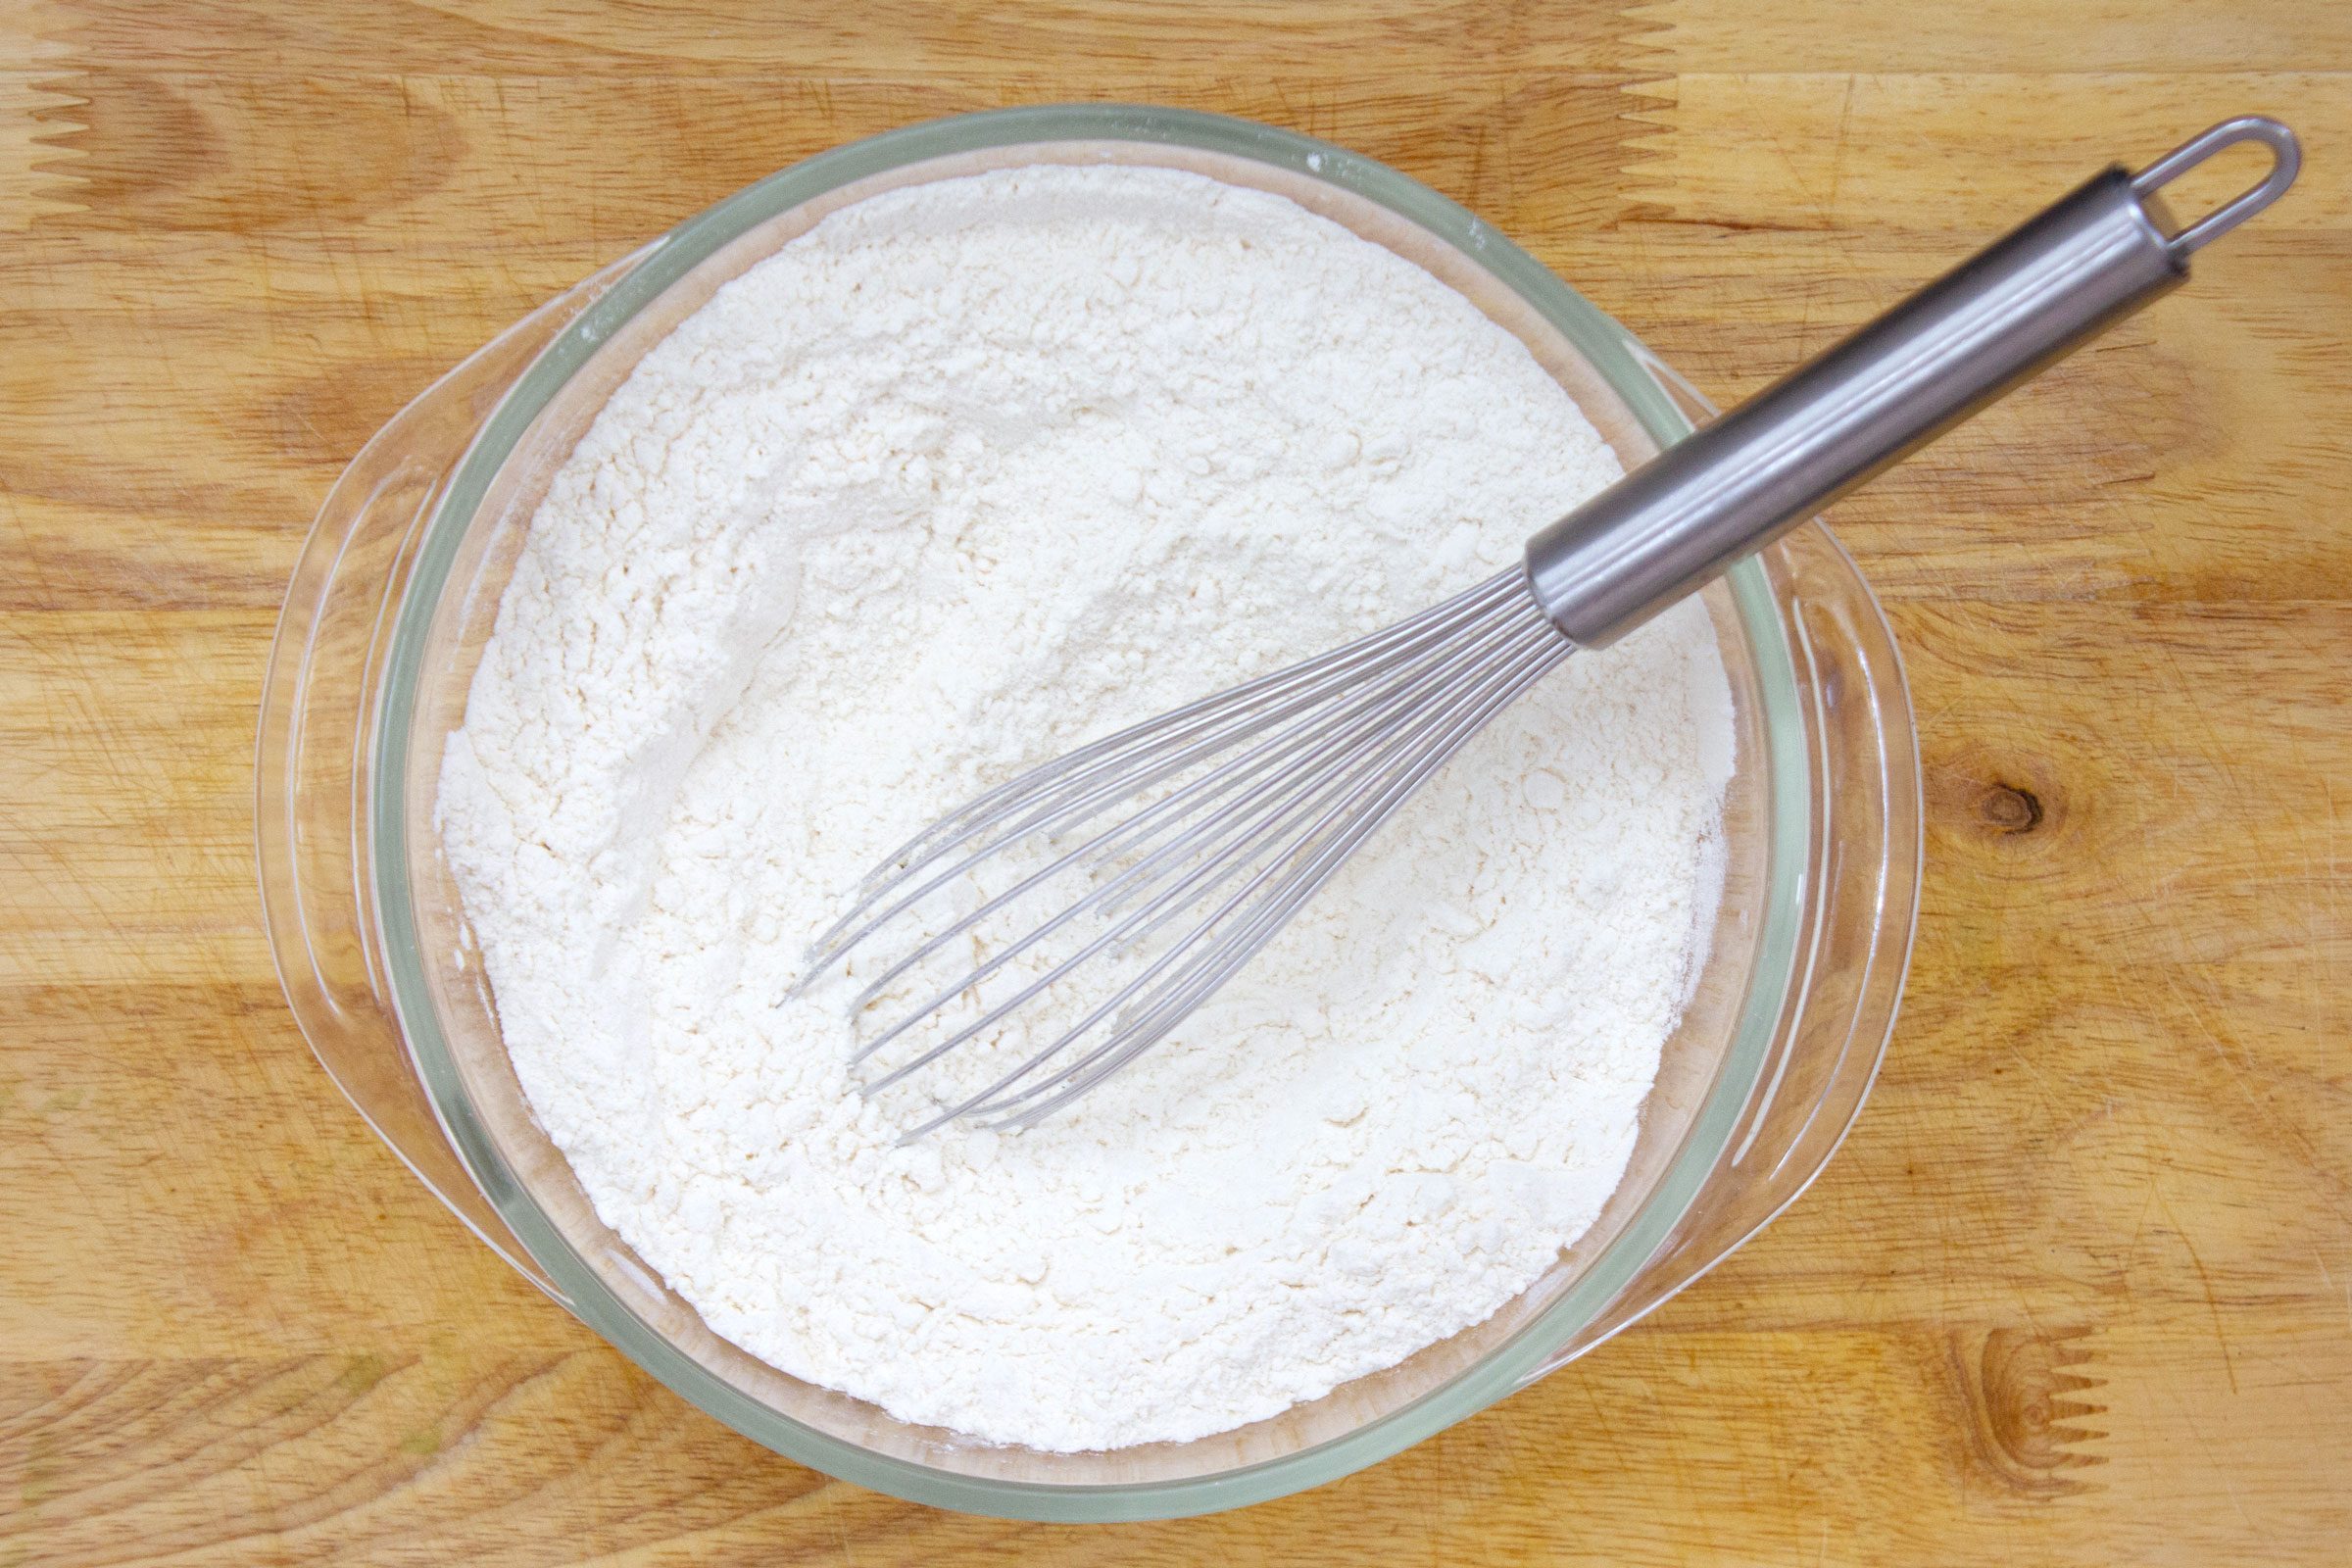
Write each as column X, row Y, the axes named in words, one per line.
column 2077, row 1291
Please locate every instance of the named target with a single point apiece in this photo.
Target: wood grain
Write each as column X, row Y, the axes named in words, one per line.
column 2077, row 1291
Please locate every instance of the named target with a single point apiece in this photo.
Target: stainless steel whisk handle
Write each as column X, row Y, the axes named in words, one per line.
column 1832, row 424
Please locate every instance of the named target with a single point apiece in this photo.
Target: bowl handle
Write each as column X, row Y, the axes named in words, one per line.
column 317, row 738
column 1861, row 906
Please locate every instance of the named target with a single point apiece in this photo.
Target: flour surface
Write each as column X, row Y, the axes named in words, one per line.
column 971, row 472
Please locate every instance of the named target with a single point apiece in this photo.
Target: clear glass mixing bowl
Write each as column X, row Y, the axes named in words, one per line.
column 395, row 595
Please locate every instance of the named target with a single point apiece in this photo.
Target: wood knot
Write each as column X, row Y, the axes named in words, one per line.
column 2023, row 1411
column 2010, row 808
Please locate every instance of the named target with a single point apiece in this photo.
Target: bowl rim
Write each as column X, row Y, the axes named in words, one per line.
column 1622, row 362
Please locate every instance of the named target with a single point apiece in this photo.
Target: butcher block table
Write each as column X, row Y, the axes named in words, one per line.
column 2077, row 1291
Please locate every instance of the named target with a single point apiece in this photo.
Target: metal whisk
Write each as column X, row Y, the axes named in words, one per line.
column 1141, row 871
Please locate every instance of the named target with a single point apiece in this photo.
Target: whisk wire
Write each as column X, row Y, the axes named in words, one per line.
column 1241, row 805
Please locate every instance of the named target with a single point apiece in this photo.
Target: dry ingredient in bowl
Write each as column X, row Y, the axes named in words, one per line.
column 969, row 473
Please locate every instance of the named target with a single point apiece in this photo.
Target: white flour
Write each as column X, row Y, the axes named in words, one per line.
column 971, row 472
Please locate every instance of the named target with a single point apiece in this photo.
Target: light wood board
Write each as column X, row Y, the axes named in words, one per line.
column 2079, row 1290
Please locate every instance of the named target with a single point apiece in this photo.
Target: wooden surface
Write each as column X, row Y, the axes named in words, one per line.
column 2080, row 1288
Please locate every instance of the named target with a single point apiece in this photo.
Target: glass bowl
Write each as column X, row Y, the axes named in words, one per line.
column 395, row 594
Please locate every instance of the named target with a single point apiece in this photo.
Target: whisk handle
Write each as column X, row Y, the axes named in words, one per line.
column 1833, row 423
